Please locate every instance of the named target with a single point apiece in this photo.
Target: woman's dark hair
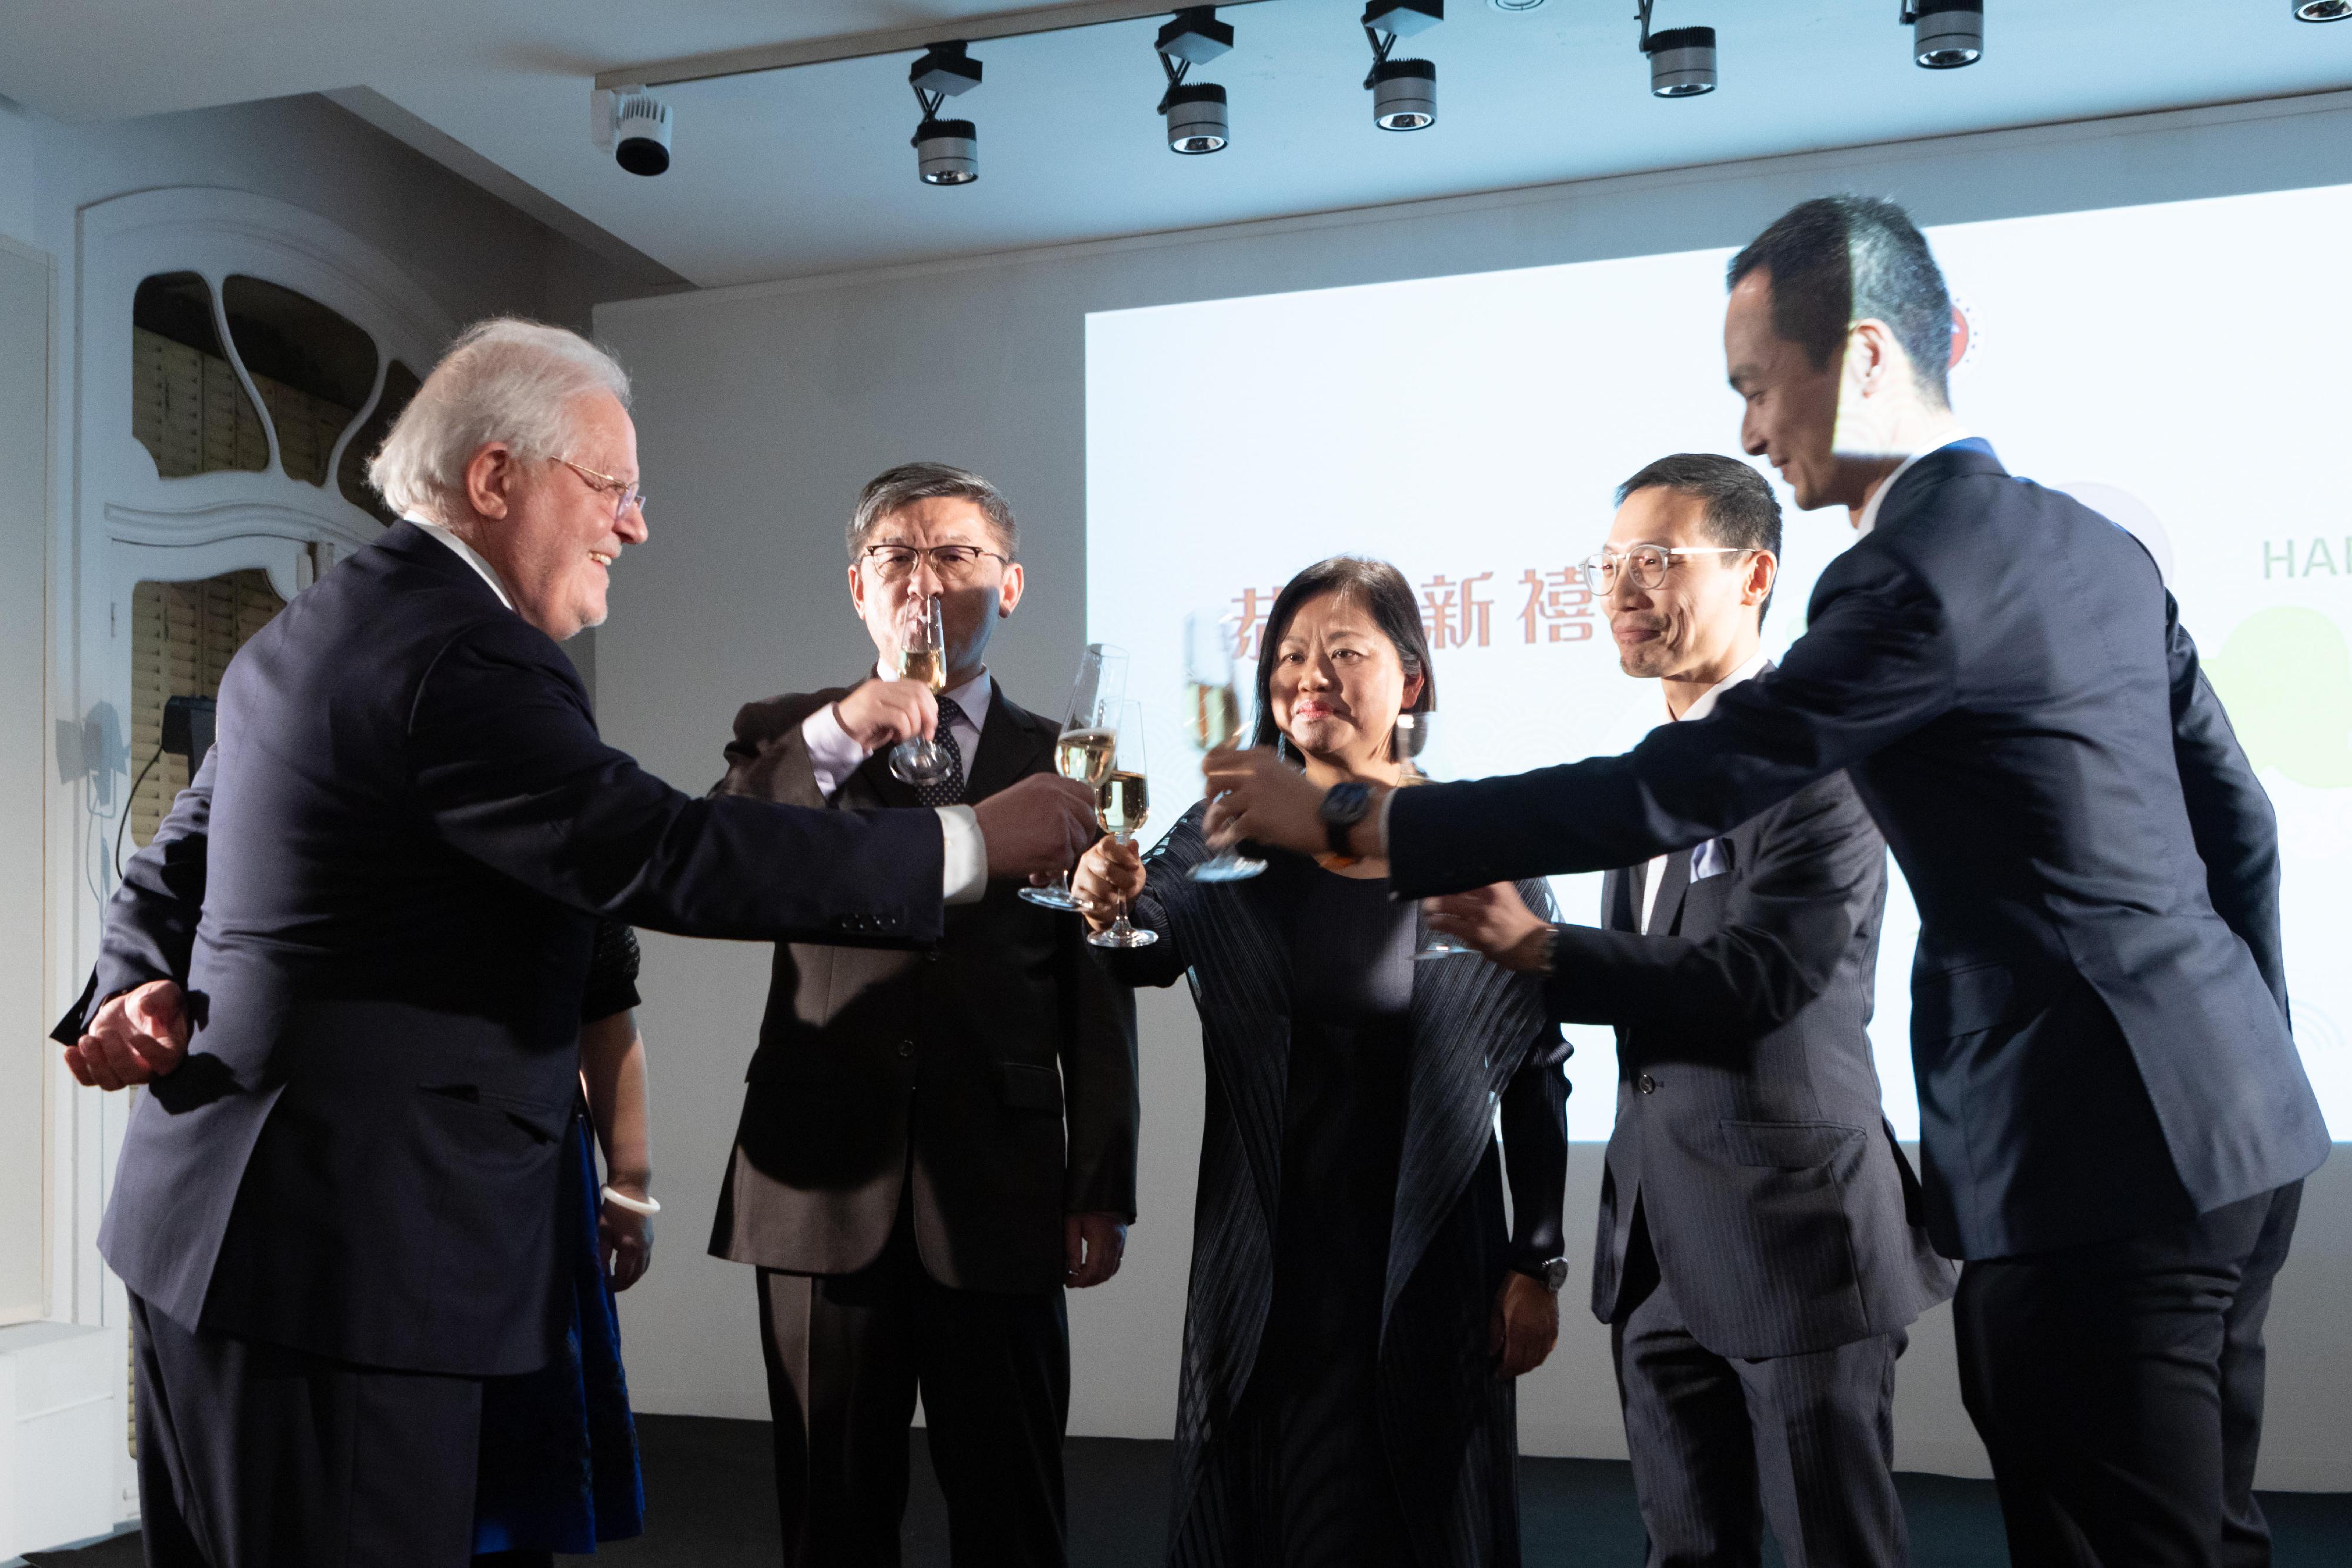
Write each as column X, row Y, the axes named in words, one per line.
column 1383, row 592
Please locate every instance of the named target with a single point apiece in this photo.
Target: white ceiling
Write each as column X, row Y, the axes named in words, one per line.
column 809, row 170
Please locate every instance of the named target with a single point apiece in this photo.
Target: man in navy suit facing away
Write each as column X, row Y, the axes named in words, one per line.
column 2115, row 1123
column 350, row 966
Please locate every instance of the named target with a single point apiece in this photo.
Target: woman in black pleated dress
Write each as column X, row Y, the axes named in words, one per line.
column 1359, row 1306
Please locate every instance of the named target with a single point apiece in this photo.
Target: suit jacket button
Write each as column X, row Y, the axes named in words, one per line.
column 1646, row 1084
column 906, row 1048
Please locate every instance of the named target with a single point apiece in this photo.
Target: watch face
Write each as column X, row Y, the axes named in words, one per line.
column 1556, row 1273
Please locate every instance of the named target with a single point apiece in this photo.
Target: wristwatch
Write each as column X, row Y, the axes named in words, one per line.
column 1551, row 1274
column 1344, row 805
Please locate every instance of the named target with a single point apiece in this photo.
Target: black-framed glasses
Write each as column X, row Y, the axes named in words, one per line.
column 896, row 564
column 625, row 492
column 1646, row 564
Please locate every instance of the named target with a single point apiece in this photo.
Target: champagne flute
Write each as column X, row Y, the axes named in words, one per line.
column 1413, row 734
column 1122, row 804
column 1215, row 702
column 923, row 656
column 1084, row 751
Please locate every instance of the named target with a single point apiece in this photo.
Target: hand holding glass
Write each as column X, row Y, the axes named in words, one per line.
column 1121, row 808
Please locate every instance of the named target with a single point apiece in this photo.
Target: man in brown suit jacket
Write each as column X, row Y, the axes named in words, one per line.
column 933, row 1144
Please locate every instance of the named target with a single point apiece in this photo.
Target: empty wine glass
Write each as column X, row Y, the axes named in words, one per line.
column 1084, row 751
column 1413, row 734
column 1122, row 805
column 1214, row 700
column 923, row 656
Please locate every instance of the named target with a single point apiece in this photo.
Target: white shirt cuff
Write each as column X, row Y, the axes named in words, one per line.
column 966, row 869
column 834, row 756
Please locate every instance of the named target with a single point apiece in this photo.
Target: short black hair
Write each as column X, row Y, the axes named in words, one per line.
column 895, row 488
column 1836, row 260
column 1386, row 597
column 1742, row 513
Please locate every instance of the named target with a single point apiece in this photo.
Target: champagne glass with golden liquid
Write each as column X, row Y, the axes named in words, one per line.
column 1122, row 805
column 1085, row 748
column 923, row 656
column 1212, row 701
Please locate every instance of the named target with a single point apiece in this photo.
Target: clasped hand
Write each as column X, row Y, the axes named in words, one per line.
column 136, row 1038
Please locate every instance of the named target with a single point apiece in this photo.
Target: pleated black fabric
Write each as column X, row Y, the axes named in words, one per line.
column 1446, row 1424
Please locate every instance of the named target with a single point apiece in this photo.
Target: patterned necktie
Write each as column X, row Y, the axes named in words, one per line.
column 947, row 792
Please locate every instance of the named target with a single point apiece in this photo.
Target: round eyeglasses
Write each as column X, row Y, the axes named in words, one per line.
column 896, row 564
column 1645, row 564
column 625, row 492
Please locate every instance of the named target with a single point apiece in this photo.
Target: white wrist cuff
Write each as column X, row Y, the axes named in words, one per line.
column 645, row 1205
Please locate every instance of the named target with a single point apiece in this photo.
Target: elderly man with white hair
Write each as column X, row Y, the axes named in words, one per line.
column 349, row 965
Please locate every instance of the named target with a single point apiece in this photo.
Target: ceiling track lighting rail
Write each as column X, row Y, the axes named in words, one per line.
column 980, row 29
column 1682, row 59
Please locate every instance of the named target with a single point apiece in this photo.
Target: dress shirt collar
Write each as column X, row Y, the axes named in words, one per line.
column 465, row 553
column 1756, row 666
column 1869, row 518
column 971, row 698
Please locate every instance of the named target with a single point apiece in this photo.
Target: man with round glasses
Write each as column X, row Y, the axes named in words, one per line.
column 933, row 1144
column 1759, row 1256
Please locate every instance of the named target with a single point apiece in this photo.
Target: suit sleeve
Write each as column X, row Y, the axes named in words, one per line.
column 1099, row 1079
column 1876, row 664
column 1820, row 869
column 150, row 921
column 2229, row 812
column 508, row 764
column 1534, row 1120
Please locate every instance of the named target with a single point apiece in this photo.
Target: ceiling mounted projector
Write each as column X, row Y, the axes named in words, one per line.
column 1195, row 111
column 947, row 151
column 1945, row 34
column 1404, row 92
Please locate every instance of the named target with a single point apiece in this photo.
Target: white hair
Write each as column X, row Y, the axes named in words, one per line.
column 503, row 380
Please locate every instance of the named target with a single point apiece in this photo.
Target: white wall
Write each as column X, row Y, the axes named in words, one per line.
column 62, row 1421
column 762, row 409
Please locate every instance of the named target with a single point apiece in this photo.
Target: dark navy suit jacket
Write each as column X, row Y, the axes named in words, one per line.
column 2099, row 1014
column 380, row 894
column 1783, row 1217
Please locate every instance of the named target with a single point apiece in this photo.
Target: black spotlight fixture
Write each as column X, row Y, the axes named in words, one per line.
column 947, row 151
column 1404, row 92
column 2323, row 10
column 1195, row 111
column 1945, row 34
column 1682, row 59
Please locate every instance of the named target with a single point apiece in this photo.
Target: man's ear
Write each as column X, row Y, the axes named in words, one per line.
column 1008, row 596
column 857, row 590
column 1763, row 570
column 490, row 476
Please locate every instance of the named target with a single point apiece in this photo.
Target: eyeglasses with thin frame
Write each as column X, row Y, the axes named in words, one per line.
column 896, row 564
column 1646, row 563
column 625, row 492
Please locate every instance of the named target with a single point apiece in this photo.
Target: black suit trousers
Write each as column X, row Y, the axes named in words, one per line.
column 255, row 1455
column 1721, row 1445
column 846, row 1354
column 2118, row 1389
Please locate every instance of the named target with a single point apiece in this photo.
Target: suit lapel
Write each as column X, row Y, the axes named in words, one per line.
column 1012, row 742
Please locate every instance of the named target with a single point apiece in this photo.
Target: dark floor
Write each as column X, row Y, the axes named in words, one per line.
column 708, row 1506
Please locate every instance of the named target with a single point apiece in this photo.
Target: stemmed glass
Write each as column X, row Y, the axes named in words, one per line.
column 1413, row 734
column 1084, row 751
column 1122, row 804
column 923, row 656
column 1215, row 704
